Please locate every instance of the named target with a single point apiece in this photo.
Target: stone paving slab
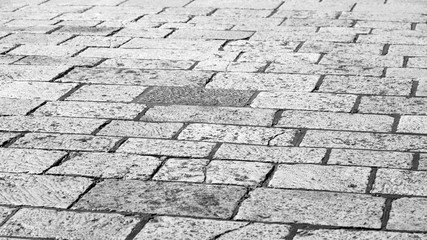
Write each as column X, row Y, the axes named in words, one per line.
column 213, row 119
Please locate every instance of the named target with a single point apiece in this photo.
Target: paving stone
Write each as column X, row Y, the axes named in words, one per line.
column 54, row 51
column 28, row 73
column 381, row 16
column 341, row 48
column 140, row 129
column 417, row 62
column 184, row 170
column 5, row 47
column 68, row 225
column 35, row 90
column 402, row 182
column 147, row 64
column 97, row 41
column 352, row 234
column 226, row 66
column 195, row 11
column 56, row 61
column 422, row 162
column 106, row 93
column 235, row 134
column 27, row 161
column 412, row 124
column 49, row 124
column 109, row 165
column 258, row 231
column 176, row 228
column 165, row 18
column 87, row 30
column 144, row 33
column 264, row 81
column 111, row 13
column 207, row 114
column 304, row 101
column 320, row 208
column 183, row 44
column 46, row 191
column 375, row 141
column 240, row 173
column 209, row 34
column 383, row 25
column 308, row 68
column 148, row 3
column 84, row 2
column 30, row 38
column 5, row 212
column 313, row 5
column 13, row 106
column 166, row 147
column 196, row 96
column 394, row 37
column 65, row 142
column 137, row 77
column 8, row 59
column 406, row 72
column 270, row 154
column 366, row 85
column 307, row 14
column 6, row 136
column 251, row 4
column 236, row 12
column 335, row 121
column 90, row 109
column 393, row 105
column 407, row 50
column 163, row 198
column 408, row 214
column 362, row 60
column 53, row 9
column 261, row 46
column 274, row 35
column 316, row 177
column 370, row 158
column 87, row 23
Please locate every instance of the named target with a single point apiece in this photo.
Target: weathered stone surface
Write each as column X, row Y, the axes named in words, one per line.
column 13, row 106
column 417, row 62
column 330, row 178
column 240, row 173
column 35, row 90
column 65, row 142
column 49, row 124
column 352, row 234
column 107, row 93
column 167, row 147
column 320, row 208
column 239, row 12
column 304, row 101
column 5, row 136
column 68, row 225
column 407, row 73
column 393, row 105
column 370, row 158
column 196, row 96
column 53, row 51
column 412, row 124
column 29, row 73
column 47, row 191
column 376, row 141
column 183, row 44
column 136, row 77
column 185, row 170
column 408, row 214
column 96, row 41
column 270, row 154
column 163, row 198
column 208, row 114
column 90, row 109
column 282, row 57
column 147, row 64
column 308, row 68
column 251, row 4
column 258, row 231
column 54, row 61
column 235, row 134
column 209, row 34
column 402, row 182
column 108, row 165
column 30, row 38
column 8, row 59
column 110, row 12
column 264, row 81
column 341, row 48
column 261, row 46
column 335, row 121
column 148, row 3
column 140, row 129
column 27, row 160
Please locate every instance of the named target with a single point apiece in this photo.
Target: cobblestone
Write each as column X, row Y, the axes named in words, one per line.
column 140, row 129
column 28, row 73
column 186, row 170
column 402, row 182
column 408, row 214
column 13, row 106
column 348, row 234
column 393, row 105
column 35, row 90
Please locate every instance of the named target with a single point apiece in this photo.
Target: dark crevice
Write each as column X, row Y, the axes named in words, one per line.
column 371, row 180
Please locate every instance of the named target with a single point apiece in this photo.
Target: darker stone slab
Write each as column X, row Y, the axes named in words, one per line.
column 196, row 96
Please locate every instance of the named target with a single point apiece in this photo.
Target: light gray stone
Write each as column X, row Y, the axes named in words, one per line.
column 401, row 182
column 29, row 73
column 106, row 93
column 408, row 214
column 14, row 106
column 35, row 90
column 412, row 124
column 341, row 234
column 393, row 105
column 140, row 129
column 184, row 170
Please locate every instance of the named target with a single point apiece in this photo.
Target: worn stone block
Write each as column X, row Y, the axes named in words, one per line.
column 185, row 170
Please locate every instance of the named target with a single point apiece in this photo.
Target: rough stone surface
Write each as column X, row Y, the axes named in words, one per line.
column 349, row 234
column 108, row 165
column 393, row 105
column 6, row 136
column 5, row 212
column 106, row 93
column 68, row 225
column 401, row 182
column 185, row 170
column 140, row 129
column 163, row 198
column 408, row 214
column 35, row 90
column 412, row 124
column 147, row 64
column 320, row 208
column 14, row 106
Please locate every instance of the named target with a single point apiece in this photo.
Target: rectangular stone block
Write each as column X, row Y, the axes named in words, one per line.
column 393, row 105
column 315, row 69
column 31, row 38
column 407, row 73
column 351, row 234
column 375, row 141
column 393, row 37
column 49, row 124
column 29, row 73
column 383, row 25
column 381, row 16
column 27, row 160
column 43, row 223
column 108, row 165
column 317, row 177
column 261, row 46
column 137, row 77
column 277, row 56
column 35, row 90
column 167, row 43
column 210, row 34
column 362, row 60
column 319, row 208
column 96, row 41
column 155, row 33
column 147, row 64
column 412, row 124
column 65, row 142
column 407, row 50
column 196, row 96
column 270, row 154
column 341, row 48
column 400, row 182
column 182, row 170
column 264, row 81
column 302, row 35
column 41, row 191
column 304, row 101
column 408, row 214
column 111, row 13
column 53, row 51
column 141, row 129
column 56, row 61
column 335, row 121
column 166, row 147
column 20, row 107
column 251, row 4
column 6, row 136
column 106, row 93
column 417, row 62
column 317, row 22
column 236, row 134
column 186, row 199
column 239, row 12
column 90, row 109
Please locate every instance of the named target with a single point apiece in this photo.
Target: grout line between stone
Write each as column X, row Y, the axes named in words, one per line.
column 371, row 180
column 415, row 161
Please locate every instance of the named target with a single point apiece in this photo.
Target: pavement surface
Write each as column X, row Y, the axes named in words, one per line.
column 213, row 119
